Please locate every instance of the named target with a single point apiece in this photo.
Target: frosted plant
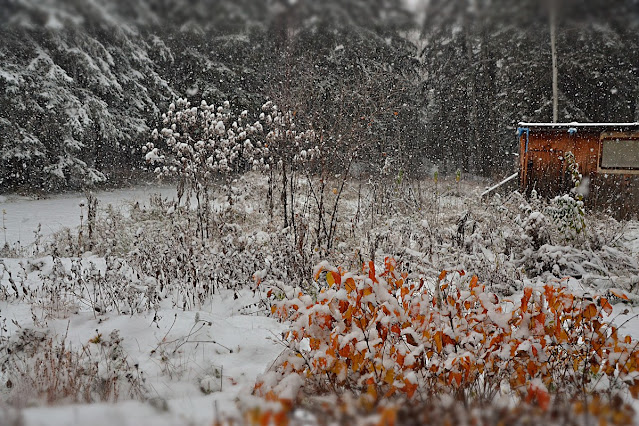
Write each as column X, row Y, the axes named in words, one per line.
column 208, row 140
column 567, row 210
column 287, row 149
column 286, row 145
column 202, row 141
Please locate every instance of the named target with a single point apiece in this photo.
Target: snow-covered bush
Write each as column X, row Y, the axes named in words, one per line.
column 567, row 211
column 393, row 341
column 202, row 141
column 146, row 254
column 568, row 216
column 290, row 149
column 288, row 144
column 15, row 290
column 68, row 286
column 536, row 228
column 37, row 368
column 208, row 141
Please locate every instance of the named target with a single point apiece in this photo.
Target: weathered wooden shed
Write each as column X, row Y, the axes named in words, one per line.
column 607, row 155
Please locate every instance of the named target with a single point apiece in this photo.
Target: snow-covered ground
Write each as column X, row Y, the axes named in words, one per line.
column 227, row 354
column 22, row 215
column 197, row 360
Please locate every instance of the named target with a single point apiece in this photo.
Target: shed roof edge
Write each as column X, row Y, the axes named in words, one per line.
column 580, row 125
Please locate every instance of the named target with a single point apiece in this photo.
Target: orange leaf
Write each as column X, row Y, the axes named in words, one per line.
column 350, row 285
column 371, row 271
column 338, row 367
column 372, row 391
column 409, row 388
column 404, row 292
column 356, row 361
column 389, row 415
column 438, row 340
column 390, row 264
column 526, row 298
column 442, row 275
column 345, row 351
column 520, row 377
column 634, row 389
column 561, row 334
column 411, row 340
column 539, row 322
column 590, row 311
column 617, row 293
column 389, row 377
column 473, row 282
column 314, row 344
column 337, row 278
column 457, row 377
column 447, row 340
column 400, row 359
column 382, row 330
column 606, row 306
column 330, row 280
column 543, row 399
column 265, row 420
column 280, row 418
column 348, row 315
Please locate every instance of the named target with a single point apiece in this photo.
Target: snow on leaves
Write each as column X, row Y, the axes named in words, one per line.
column 207, row 140
column 202, row 140
column 381, row 335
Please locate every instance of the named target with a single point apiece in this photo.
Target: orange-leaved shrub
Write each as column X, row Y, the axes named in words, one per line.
column 389, row 342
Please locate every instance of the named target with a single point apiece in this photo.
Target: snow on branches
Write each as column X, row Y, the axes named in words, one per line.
column 285, row 143
column 382, row 336
column 209, row 139
column 203, row 141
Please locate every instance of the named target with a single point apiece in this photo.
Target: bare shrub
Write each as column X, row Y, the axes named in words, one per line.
column 41, row 369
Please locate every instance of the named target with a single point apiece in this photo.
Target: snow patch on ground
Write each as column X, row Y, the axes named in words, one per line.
column 23, row 215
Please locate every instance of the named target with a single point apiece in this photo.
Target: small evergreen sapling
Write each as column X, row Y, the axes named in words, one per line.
column 567, row 211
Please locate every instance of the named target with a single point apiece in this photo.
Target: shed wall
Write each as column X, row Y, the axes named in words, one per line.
column 543, row 167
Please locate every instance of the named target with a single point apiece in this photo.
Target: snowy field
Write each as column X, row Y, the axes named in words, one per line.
column 159, row 331
column 222, row 349
column 22, row 215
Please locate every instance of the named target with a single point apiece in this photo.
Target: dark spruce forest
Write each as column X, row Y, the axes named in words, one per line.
column 440, row 83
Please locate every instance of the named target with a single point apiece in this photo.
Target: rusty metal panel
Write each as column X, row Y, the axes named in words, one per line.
column 543, row 167
column 544, row 164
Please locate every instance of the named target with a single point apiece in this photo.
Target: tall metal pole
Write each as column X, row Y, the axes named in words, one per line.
column 553, row 48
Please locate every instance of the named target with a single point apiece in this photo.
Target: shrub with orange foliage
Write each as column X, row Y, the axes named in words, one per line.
column 384, row 338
